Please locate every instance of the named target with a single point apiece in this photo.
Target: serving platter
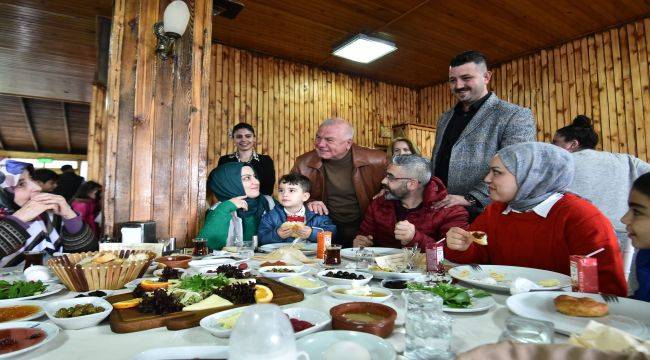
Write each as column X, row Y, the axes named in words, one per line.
column 51, row 331
column 52, row 288
column 36, row 315
column 316, row 345
column 131, row 320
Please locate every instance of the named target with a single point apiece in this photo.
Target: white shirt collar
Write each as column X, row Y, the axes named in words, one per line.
column 300, row 212
column 542, row 209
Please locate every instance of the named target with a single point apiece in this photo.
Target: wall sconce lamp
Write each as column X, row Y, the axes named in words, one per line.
column 174, row 23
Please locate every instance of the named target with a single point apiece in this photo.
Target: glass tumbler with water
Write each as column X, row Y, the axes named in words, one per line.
column 428, row 329
column 528, row 331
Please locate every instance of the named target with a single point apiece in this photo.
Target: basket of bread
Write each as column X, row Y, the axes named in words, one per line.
column 106, row 270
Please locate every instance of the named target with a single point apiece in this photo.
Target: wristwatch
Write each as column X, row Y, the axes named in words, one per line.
column 472, row 201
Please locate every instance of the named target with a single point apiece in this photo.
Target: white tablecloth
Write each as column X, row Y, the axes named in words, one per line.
column 99, row 342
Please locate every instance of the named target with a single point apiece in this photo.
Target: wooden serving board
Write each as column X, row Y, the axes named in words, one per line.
column 131, row 320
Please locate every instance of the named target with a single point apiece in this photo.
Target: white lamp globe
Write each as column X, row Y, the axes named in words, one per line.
column 176, row 17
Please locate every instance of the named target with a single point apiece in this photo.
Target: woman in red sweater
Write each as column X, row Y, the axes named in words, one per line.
column 533, row 222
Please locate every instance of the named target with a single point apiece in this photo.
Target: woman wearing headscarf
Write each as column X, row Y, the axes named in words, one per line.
column 34, row 221
column 533, row 222
column 240, row 207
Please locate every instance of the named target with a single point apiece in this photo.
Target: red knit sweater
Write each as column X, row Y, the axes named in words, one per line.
column 573, row 227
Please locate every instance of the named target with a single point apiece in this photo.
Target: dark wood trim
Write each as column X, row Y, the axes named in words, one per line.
column 28, row 122
column 64, row 108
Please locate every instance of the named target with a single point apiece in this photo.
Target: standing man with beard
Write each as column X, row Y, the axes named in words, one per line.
column 406, row 214
column 471, row 133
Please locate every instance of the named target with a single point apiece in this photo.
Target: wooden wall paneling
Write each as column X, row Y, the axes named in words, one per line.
column 643, row 49
column 636, row 88
column 575, row 68
column 610, row 88
column 628, row 101
column 602, row 91
column 96, row 154
column 564, row 76
column 618, row 99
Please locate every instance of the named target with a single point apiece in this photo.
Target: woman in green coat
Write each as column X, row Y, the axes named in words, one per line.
column 240, row 206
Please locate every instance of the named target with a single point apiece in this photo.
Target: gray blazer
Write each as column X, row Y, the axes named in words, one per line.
column 496, row 125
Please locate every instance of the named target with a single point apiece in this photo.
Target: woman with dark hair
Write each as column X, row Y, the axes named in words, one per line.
column 637, row 220
column 402, row 146
column 534, row 222
column 34, row 221
column 87, row 203
column 604, row 178
column 240, row 208
column 244, row 136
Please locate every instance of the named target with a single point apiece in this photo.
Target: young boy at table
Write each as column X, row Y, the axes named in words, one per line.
column 637, row 221
column 291, row 220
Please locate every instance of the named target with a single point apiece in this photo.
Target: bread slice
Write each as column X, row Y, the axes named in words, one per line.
column 479, row 237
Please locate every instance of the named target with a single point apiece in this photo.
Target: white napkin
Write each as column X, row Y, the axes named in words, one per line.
column 522, row 285
column 606, row 338
column 131, row 235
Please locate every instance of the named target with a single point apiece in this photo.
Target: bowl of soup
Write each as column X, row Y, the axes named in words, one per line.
column 369, row 317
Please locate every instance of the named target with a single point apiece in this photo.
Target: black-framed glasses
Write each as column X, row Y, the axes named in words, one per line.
column 391, row 177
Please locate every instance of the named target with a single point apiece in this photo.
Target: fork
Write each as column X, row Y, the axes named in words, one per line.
column 476, row 267
column 609, row 298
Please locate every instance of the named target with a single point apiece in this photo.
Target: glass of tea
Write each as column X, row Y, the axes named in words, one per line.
column 333, row 255
column 33, row 258
column 200, row 247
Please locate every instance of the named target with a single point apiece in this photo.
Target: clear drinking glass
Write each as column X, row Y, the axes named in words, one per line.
column 263, row 332
column 528, row 331
column 428, row 329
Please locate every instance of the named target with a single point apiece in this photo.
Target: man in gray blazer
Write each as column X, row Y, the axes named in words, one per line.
column 469, row 134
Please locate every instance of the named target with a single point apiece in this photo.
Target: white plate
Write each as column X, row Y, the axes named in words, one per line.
column 332, row 292
column 184, row 352
column 350, row 253
column 36, row 315
column 316, row 345
column 390, row 275
column 306, row 248
column 51, row 331
column 52, row 288
column 321, row 285
column 320, row 319
column 629, row 315
column 478, row 304
column 213, row 262
column 465, row 274
column 337, row 281
column 297, row 270
column 211, row 322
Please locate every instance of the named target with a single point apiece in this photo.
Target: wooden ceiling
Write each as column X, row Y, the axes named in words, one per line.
column 47, row 47
column 43, row 125
column 428, row 33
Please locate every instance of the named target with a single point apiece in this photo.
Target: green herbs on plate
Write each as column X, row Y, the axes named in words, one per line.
column 452, row 296
column 19, row 289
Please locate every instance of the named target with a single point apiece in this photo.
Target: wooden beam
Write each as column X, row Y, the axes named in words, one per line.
column 64, row 108
column 35, row 155
column 28, row 122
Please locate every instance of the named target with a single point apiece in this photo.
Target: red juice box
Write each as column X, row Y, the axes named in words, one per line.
column 584, row 274
column 435, row 255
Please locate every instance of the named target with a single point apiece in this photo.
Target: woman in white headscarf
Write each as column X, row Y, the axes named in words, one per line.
column 534, row 222
column 34, row 221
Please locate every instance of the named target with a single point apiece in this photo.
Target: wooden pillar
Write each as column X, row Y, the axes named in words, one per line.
column 156, row 133
column 96, row 135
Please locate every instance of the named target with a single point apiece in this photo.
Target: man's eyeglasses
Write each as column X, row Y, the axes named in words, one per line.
column 391, row 177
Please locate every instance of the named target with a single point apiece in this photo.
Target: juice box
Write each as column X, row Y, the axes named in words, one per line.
column 435, row 255
column 584, row 274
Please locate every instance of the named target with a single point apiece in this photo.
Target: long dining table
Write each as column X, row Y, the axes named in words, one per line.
column 99, row 342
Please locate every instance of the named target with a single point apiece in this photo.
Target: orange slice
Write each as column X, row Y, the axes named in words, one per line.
column 126, row 304
column 149, row 285
column 263, row 294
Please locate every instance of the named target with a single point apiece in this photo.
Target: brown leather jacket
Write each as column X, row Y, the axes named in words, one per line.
column 369, row 170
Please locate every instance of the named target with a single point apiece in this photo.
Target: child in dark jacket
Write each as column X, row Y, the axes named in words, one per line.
column 291, row 220
column 637, row 220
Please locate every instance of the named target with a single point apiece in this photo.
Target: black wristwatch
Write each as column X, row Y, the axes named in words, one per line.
column 472, row 201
